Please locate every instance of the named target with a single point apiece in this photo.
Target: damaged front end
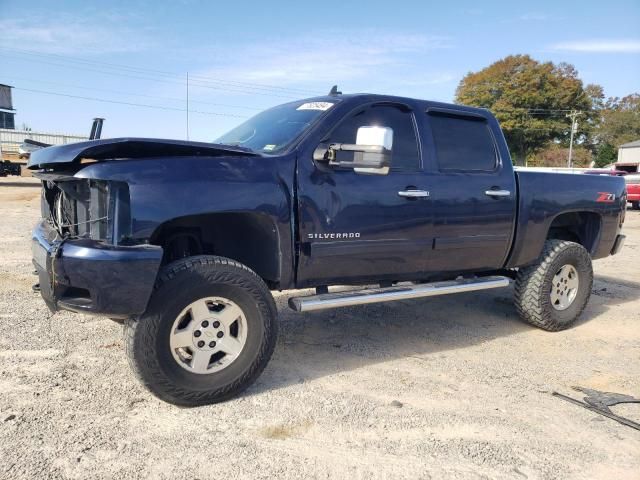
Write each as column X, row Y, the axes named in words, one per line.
column 75, row 208
column 82, row 250
column 86, row 208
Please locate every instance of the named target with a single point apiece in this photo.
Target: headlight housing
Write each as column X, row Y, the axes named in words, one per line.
column 87, row 208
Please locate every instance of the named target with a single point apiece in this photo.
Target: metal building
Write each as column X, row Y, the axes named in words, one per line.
column 629, row 157
column 11, row 139
column 7, row 112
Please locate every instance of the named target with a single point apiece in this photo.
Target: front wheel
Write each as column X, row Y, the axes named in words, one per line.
column 208, row 332
column 552, row 293
column 635, row 205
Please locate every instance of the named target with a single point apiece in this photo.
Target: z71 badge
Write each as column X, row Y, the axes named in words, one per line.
column 606, row 197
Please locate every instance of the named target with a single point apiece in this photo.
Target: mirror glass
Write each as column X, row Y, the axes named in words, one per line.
column 379, row 136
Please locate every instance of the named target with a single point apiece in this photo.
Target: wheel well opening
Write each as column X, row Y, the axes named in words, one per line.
column 249, row 238
column 579, row 227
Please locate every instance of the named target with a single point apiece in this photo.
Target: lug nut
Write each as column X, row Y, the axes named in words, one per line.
column 197, row 333
column 216, row 324
column 212, row 344
column 220, row 334
column 205, row 324
column 200, row 344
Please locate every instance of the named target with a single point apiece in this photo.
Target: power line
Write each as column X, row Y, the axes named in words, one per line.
column 532, row 111
column 139, row 70
column 159, row 107
column 529, row 110
column 531, row 129
column 220, row 84
column 161, row 80
column 118, row 92
column 132, row 104
column 298, row 91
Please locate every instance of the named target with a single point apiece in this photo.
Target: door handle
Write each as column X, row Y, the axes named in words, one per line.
column 498, row 193
column 413, row 193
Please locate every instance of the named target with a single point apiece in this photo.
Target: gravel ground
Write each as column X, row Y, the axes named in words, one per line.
column 450, row 387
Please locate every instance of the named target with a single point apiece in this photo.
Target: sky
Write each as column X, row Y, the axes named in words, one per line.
column 128, row 61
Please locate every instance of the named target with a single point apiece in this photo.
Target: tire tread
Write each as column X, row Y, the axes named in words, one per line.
column 529, row 295
column 139, row 342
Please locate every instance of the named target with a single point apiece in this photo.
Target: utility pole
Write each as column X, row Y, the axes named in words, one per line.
column 187, row 105
column 574, row 129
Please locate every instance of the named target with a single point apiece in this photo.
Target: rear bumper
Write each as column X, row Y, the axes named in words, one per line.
column 618, row 244
column 83, row 275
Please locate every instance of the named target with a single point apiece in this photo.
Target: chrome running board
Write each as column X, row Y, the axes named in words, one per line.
column 374, row 295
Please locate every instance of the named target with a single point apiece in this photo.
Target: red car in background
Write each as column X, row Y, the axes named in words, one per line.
column 633, row 189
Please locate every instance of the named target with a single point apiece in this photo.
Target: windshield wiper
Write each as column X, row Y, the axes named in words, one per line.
column 236, row 145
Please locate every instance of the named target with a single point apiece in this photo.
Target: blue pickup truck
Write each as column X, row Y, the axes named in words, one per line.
column 183, row 241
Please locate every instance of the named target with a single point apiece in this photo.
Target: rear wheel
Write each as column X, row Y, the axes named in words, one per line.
column 635, row 205
column 208, row 332
column 553, row 292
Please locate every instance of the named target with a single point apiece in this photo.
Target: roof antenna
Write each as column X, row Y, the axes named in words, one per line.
column 334, row 91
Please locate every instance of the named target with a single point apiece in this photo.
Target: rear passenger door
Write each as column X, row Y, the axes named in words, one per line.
column 473, row 191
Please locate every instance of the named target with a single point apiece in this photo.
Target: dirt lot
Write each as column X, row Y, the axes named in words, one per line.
column 451, row 387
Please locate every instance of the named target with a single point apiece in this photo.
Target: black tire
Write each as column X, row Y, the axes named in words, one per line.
column 534, row 284
column 179, row 284
column 635, row 205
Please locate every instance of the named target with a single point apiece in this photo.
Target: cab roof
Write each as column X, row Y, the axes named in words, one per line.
column 374, row 97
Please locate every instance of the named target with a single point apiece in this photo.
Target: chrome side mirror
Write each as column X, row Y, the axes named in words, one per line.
column 380, row 137
column 371, row 152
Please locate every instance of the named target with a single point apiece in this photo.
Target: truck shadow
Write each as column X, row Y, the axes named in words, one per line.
column 319, row 344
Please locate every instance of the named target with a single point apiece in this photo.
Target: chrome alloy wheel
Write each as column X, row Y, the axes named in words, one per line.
column 564, row 287
column 208, row 335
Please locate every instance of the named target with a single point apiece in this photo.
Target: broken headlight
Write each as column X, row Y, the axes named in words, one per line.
column 83, row 208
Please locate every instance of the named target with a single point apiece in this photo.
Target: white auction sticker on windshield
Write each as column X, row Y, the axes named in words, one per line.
column 315, row 106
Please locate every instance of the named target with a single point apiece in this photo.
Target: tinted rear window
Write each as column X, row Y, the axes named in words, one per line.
column 462, row 143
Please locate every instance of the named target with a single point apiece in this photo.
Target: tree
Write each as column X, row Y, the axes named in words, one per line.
column 596, row 94
column 555, row 155
column 530, row 99
column 606, row 154
column 619, row 121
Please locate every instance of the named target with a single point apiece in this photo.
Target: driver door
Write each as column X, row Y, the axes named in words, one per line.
column 357, row 227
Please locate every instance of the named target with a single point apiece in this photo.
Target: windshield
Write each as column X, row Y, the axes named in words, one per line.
column 273, row 130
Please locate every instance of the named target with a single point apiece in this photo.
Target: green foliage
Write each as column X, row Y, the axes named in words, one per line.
column 530, row 99
column 605, row 155
column 619, row 121
column 555, row 155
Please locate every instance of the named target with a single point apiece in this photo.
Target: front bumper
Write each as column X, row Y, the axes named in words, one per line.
column 88, row 276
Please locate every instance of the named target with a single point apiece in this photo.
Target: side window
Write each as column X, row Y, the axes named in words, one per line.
column 462, row 143
column 405, row 155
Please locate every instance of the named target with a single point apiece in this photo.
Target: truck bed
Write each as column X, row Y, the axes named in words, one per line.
column 543, row 196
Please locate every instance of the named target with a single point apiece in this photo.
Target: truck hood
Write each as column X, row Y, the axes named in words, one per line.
column 116, row 148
